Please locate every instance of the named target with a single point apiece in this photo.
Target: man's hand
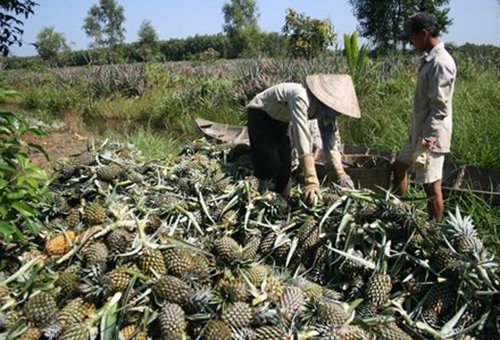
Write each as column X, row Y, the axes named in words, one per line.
column 427, row 143
column 312, row 195
column 345, row 181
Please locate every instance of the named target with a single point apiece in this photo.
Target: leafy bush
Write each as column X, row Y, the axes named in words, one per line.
column 22, row 183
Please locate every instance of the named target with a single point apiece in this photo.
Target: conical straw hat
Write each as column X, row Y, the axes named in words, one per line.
column 335, row 91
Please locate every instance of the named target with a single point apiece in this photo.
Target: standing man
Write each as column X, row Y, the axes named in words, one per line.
column 271, row 112
column 431, row 128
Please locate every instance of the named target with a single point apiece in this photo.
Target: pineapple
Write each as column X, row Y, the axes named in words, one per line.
column 94, row 214
column 117, row 280
column 440, row 300
column 332, row 314
column 109, row 173
column 267, row 244
column 178, row 261
column 445, row 262
column 238, row 315
column 391, row 331
column 217, row 330
column 40, row 308
column 269, row 333
column 273, row 288
column 151, row 261
column 257, row 274
column 68, row 282
column 60, row 244
column 171, row 289
column 291, row 302
column 73, row 218
column 74, row 312
column 234, row 289
column 76, row 331
column 349, row 332
column 201, row 267
column 4, row 293
column 95, row 254
column 11, row 319
column 119, row 240
column 308, row 234
column 311, row 289
column 32, row 333
column 230, row 218
column 227, row 249
column 465, row 239
column 172, row 321
column 130, row 333
column 85, row 159
column 378, row 288
column 251, row 245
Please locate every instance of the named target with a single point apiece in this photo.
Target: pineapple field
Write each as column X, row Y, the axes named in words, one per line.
column 188, row 248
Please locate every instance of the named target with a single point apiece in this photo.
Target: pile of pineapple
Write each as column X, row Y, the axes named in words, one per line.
column 189, row 248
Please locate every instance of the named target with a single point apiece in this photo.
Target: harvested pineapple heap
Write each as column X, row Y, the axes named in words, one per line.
column 188, row 248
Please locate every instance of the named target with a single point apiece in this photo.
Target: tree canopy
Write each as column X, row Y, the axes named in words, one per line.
column 11, row 22
column 241, row 28
column 105, row 23
column 50, row 43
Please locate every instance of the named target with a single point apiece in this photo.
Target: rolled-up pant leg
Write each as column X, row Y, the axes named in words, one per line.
column 270, row 149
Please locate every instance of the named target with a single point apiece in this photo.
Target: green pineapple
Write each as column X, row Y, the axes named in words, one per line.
column 234, row 289
column 151, row 261
column 40, row 308
column 201, row 266
column 119, row 241
column 349, row 332
column 229, row 218
column 77, row 331
column 74, row 312
column 308, row 234
column 332, row 314
column 94, row 214
column 445, row 262
column 465, row 239
column 227, row 249
column 172, row 321
column 291, row 302
column 267, row 244
column 68, row 282
column 109, row 173
column 85, row 159
column 96, row 254
column 73, row 218
column 217, row 330
column 172, row 289
column 440, row 300
column 238, row 315
column 311, row 289
column 11, row 318
column 273, row 287
column 257, row 273
column 178, row 261
column 269, row 333
column 377, row 289
column 390, row 331
column 251, row 243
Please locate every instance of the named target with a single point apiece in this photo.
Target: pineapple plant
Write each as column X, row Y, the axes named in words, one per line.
column 227, row 249
column 40, row 308
column 151, row 262
column 172, row 289
column 172, row 321
column 216, row 330
column 291, row 302
column 94, row 214
column 60, row 244
column 238, row 315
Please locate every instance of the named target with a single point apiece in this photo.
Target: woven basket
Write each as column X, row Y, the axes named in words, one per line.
column 367, row 171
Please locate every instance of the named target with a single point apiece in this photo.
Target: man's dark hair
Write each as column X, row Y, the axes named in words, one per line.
column 420, row 21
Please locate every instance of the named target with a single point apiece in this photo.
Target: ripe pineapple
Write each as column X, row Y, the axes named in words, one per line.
column 269, row 333
column 178, row 261
column 291, row 302
column 257, row 273
column 234, row 290
column 440, row 300
column 464, row 235
column 74, row 312
column 60, row 244
column 32, row 333
column 391, row 331
column 273, row 288
column 73, row 218
column 94, row 214
column 119, row 240
column 217, row 330
column 4, row 293
column 227, row 249
column 77, row 331
column 378, row 288
column 95, row 254
column 130, row 332
column 11, row 318
column 349, row 332
column 201, row 267
column 172, row 321
column 40, row 308
column 311, row 289
column 332, row 314
column 171, row 289
column 117, row 280
column 267, row 244
column 151, row 262
column 238, row 315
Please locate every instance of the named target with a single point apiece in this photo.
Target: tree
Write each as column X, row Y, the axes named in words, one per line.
column 105, row 24
column 149, row 47
column 308, row 37
column 50, row 43
column 241, row 28
column 383, row 21
column 10, row 25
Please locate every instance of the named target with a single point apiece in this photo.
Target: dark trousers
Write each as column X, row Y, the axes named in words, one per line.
column 270, row 149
